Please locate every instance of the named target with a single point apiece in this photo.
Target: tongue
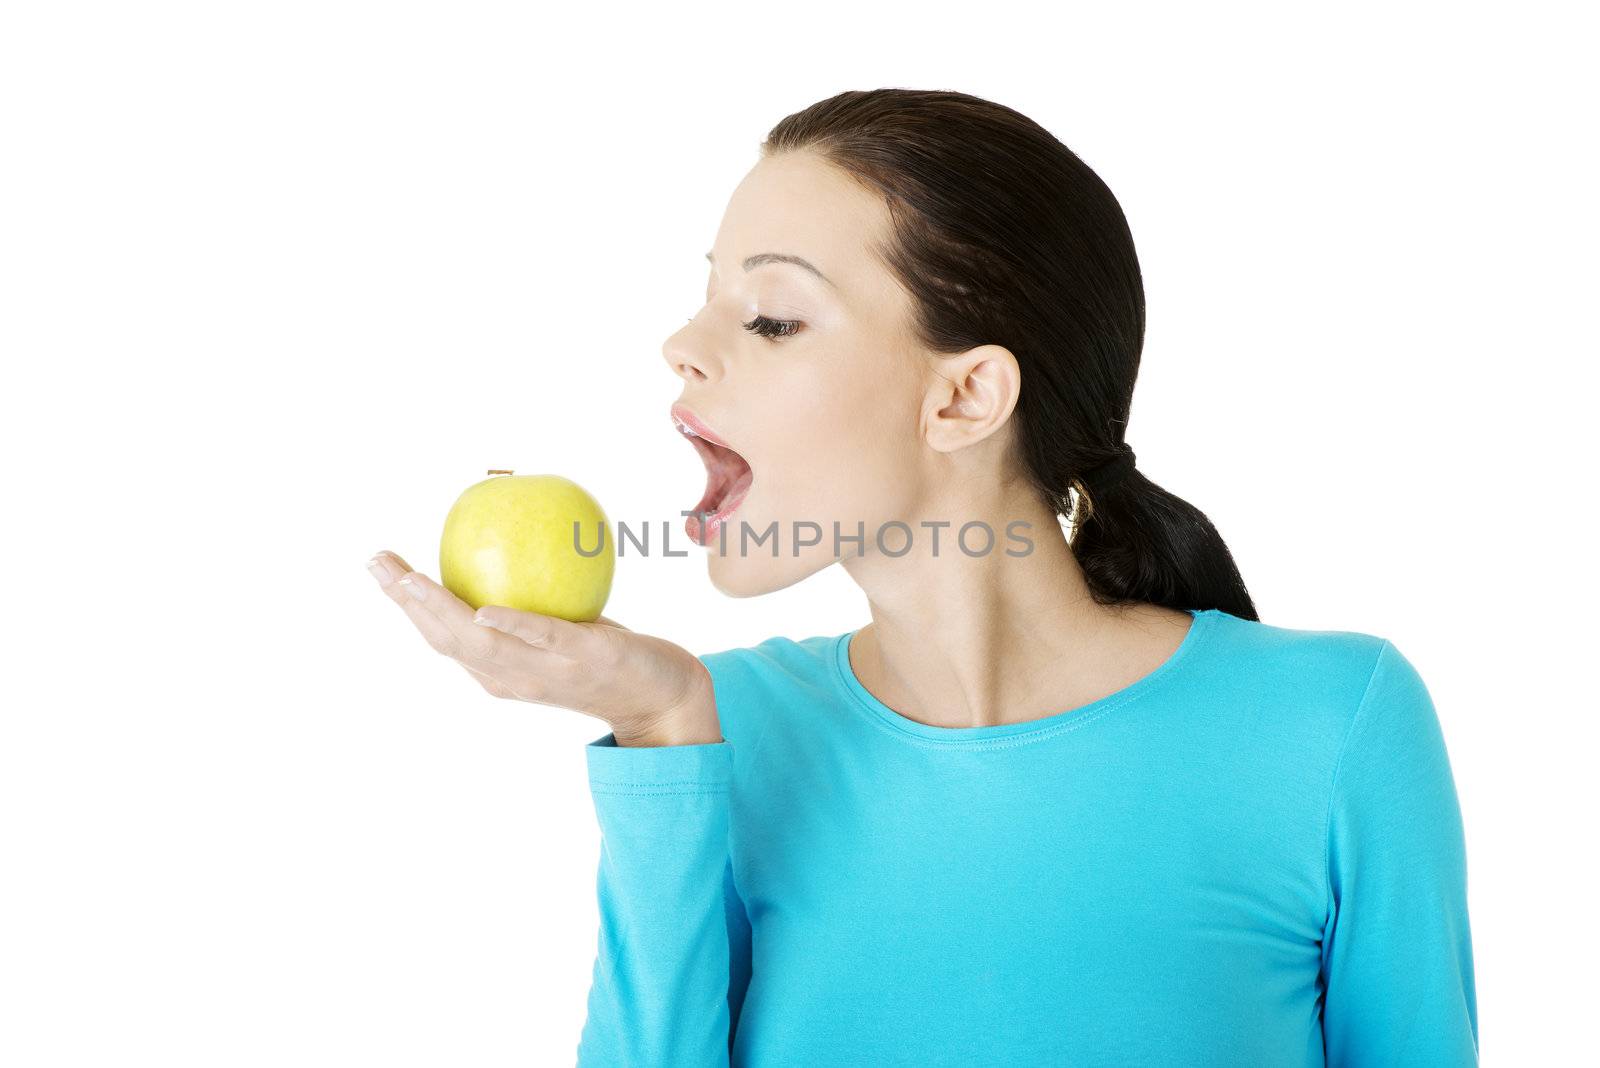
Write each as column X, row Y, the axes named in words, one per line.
column 727, row 473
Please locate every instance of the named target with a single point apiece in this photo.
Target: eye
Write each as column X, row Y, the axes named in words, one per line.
column 772, row 328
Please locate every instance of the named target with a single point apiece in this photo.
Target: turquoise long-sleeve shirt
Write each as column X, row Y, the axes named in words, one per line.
column 1253, row 856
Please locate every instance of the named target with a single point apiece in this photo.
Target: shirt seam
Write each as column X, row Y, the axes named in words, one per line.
column 1012, row 741
column 765, row 716
column 708, row 790
column 1333, row 789
column 653, row 785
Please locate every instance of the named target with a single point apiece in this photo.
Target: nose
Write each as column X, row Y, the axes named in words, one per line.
column 688, row 357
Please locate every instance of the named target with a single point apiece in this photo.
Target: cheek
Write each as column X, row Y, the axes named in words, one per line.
column 847, row 450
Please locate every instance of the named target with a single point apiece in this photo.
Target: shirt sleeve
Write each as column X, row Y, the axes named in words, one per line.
column 1397, row 948
column 673, row 956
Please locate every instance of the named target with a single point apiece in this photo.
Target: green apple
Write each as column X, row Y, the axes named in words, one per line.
column 509, row 540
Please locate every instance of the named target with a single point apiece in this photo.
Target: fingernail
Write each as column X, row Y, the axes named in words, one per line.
column 379, row 572
column 414, row 588
column 482, row 622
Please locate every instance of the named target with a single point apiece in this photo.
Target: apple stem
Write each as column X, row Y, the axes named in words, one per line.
column 496, row 472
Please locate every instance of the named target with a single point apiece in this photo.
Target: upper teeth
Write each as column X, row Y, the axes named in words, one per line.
column 684, row 427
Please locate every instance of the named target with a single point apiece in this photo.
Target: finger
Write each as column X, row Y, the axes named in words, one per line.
column 384, row 569
column 575, row 641
column 388, row 570
column 398, row 561
column 390, row 561
column 429, row 625
column 388, row 567
column 446, row 621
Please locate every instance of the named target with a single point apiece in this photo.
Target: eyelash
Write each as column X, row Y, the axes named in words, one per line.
column 772, row 329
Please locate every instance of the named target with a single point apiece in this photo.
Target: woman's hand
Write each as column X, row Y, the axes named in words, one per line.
column 649, row 690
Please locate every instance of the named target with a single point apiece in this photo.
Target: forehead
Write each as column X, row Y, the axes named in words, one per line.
column 798, row 204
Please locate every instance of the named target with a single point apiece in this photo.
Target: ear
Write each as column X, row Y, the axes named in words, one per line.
column 971, row 395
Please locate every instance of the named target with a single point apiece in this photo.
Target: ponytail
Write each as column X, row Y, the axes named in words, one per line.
column 1138, row 543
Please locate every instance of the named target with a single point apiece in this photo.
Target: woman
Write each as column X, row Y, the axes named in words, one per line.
column 1064, row 800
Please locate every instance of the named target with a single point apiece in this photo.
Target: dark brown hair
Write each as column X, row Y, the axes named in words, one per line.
column 1004, row 236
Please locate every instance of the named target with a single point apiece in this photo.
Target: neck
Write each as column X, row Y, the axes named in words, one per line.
column 964, row 641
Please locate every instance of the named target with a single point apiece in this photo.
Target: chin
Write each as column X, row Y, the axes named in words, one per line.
column 752, row 576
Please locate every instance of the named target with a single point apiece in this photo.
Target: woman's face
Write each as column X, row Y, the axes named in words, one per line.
column 828, row 410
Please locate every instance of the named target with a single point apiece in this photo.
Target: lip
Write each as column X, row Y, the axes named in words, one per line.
column 685, row 417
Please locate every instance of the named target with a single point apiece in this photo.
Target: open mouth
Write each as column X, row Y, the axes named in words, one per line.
column 728, row 478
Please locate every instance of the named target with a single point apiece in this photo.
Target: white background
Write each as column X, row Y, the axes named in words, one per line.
column 280, row 280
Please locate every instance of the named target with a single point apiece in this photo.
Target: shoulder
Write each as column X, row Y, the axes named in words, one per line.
column 752, row 684
column 1336, row 712
column 777, row 662
column 1307, row 658
column 1310, row 680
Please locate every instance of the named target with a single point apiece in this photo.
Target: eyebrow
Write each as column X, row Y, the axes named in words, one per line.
column 778, row 257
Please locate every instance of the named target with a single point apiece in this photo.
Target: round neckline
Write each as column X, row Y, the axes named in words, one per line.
column 1026, row 730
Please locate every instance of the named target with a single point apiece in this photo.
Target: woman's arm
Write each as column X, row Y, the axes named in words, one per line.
column 674, row 946
column 674, row 940
column 1397, row 949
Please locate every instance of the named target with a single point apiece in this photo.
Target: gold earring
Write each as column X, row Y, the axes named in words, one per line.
column 1083, row 509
